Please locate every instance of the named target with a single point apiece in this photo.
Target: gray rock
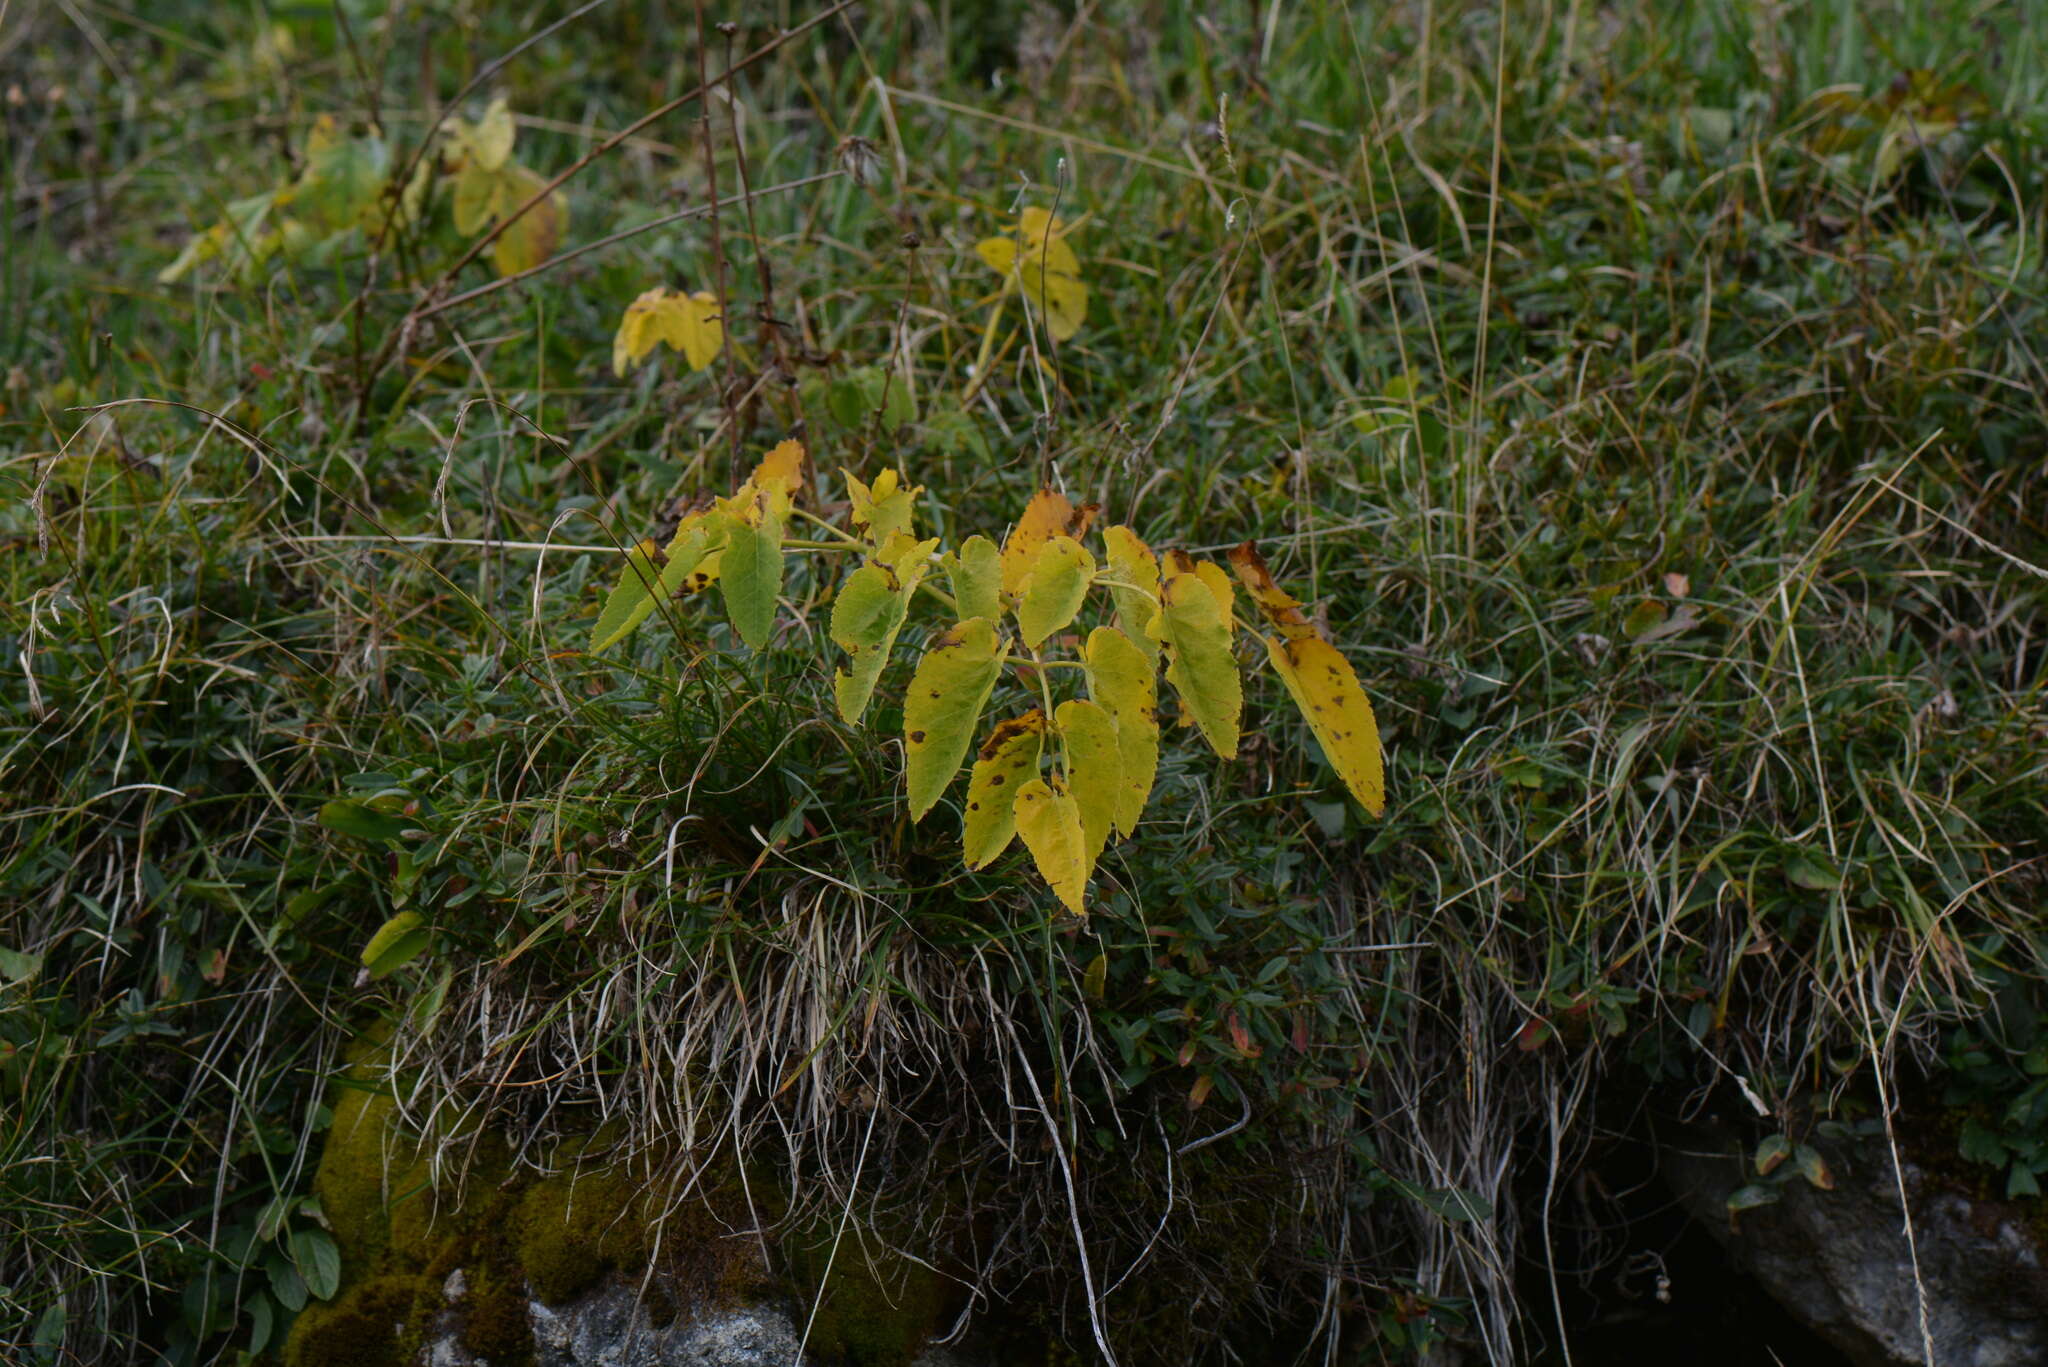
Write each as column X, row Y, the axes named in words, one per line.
column 1839, row 1260
column 607, row 1327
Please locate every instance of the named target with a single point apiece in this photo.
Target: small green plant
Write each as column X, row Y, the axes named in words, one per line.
column 1017, row 607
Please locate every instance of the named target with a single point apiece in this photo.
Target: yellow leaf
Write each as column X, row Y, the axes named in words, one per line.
column 1200, row 666
column 638, row 331
column 1045, row 267
column 1124, row 680
column 1050, row 823
column 883, row 508
column 977, row 573
column 1047, row 515
column 687, row 322
column 1136, row 590
column 1095, row 770
column 947, row 693
column 782, row 469
column 1281, row 610
column 1218, row 581
column 1009, row 759
column 533, row 237
column 1060, row 575
column 693, row 325
column 476, row 199
column 1325, row 688
column 489, row 140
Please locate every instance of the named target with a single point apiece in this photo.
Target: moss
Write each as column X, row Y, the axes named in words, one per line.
column 570, row 1230
column 363, row 1327
column 875, row 1308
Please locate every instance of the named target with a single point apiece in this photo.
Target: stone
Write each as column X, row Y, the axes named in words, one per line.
column 1839, row 1260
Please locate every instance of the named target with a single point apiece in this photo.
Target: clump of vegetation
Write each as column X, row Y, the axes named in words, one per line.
column 1642, row 410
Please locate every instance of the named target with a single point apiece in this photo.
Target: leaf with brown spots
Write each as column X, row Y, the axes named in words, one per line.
column 1326, row 689
column 1047, row 515
column 947, row 693
column 1009, row 760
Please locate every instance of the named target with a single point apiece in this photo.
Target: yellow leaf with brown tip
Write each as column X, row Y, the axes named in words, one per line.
column 1047, row 515
column 1281, row 609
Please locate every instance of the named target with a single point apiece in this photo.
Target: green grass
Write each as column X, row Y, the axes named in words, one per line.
column 1674, row 503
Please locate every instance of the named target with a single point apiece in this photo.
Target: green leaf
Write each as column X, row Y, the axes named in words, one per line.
column 397, row 942
column 285, row 1283
column 1200, row 666
column 318, row 1262
column 1456, row 1204
column 1125, row 680
column 2021, row 1182
column 1009, row 760
column 1980, row 1144
column 1751, row 1196
column 869, row 612
column 1813, row 1167
column 750, row 573
column 1814, row 871
column 48, row 1340
column 18, row 966
column 943, row 706
column 1060, row 575
column 1769, row 1154
column 350, row 817
column 976, row 571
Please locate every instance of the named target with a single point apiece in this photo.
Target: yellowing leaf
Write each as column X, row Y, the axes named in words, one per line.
column 1136, row 590
column 689, row 323
column 1047, row 515
column 1124, row 680
column 532, row 237
column 883, row 508
column 976, row 571
column 688, row 564
column 867, row 616
column 1199, row 664
column 1058, row 585
column 1095, row 770
column 476, row 199
column 1218, row 581
column 1046, row 269
column 999, row 254
column 1325, row 688
column 947, row 693
column 488, row 141
column 1050, row 823
column 1009, row 760
column 1281, row 610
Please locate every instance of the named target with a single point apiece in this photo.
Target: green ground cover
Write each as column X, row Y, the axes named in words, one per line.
column 1648, row 398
